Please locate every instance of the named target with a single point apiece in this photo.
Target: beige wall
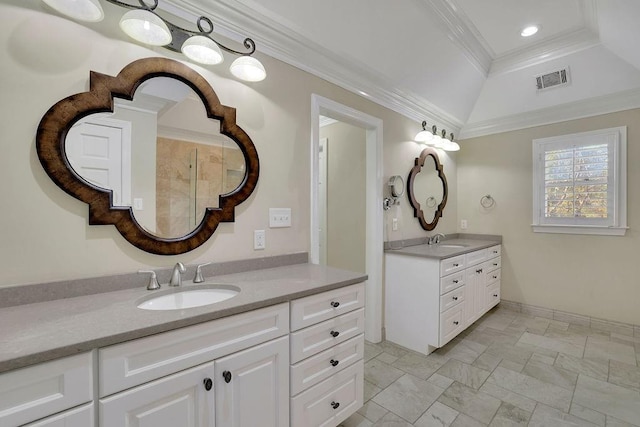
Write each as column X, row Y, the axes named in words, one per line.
column 346, row 196
column 45, row 234
column 590, row 275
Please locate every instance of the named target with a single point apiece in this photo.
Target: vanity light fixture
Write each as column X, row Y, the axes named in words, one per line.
column 424, row 135
column 432, row 138
column 144, row 25
column 450, row 144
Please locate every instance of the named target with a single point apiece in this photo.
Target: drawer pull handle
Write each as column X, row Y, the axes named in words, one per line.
column 455, row 298
column 495, row 295
column 495, row 252
column 227, row 376
column 495, row 277
column 335, row 405
column 495, row 264
column 455, row 322
column 208, row 384
column 479, row 270
column 335, row 334
column 455, row 281
column 335, row 304
column 456, row 265
column 334, row 362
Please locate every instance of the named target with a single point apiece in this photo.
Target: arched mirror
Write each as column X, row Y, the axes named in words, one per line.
column 427, row 188
column 153, row 152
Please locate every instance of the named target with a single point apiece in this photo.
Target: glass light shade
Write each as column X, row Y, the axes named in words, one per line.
column 248, row 68
column 437, row 141
column 450, row 146
column 82, row 10
column 529, row 31
column 145, row 27
column 423, row 136
column 203, row 50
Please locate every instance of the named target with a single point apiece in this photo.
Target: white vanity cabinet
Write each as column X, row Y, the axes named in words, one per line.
column 327, row 351
column 201, row 376
column 61, row 390
column 429, row 301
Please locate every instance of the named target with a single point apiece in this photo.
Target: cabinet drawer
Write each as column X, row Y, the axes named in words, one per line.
column 451, row 299
column 135, row 362
column 451, row 265
column 177, row 400
column 332, row 401
column 38, row 391
column 451, row 323
column 492, row 296
column 317, row 308
column 78, row 417
column 452, row 281
column 493, row 264
column 494, row 251
column 311, row 340
column 476, row 257
column 493, row 276
column 321, row 366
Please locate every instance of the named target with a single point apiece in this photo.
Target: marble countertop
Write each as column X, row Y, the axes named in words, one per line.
column 38, row 332
column 445, row 249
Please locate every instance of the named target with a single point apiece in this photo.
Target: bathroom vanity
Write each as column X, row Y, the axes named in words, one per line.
column 434, row 292
column 287, row 350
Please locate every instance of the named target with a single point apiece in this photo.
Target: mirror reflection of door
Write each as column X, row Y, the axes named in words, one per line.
column 345, row 231
column 179, row 162
column 99, row 150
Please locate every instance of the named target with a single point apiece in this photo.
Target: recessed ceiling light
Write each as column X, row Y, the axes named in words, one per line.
column 529, row 31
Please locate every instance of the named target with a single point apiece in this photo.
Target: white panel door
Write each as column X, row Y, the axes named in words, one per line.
column 252, row 386
column 99, row 151
column 180, row 399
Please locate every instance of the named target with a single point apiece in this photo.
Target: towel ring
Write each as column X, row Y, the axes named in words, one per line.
column 431, row 202
column 487, row 201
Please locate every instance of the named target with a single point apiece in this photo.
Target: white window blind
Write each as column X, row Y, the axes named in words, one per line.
column 580, row 183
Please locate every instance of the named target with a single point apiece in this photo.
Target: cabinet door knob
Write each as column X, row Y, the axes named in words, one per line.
column 495, row 264
column 455, row 298
column 495, row 295
column 334, row 362
column 334, row 333
column 335, row 405
column 479, row 270
column 495, row 277
column 456, row 265
column 455, row 281
column 335, row 304
column 227, row 376
column 455, row 322
column 208, row 384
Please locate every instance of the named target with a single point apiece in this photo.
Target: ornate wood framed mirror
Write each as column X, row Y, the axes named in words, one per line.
column 102, row 148
column 427, row 189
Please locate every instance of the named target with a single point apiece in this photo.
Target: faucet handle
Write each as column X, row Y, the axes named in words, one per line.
column 199, row 278
column 153, row 280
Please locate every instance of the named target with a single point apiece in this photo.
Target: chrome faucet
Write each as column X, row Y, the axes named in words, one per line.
column 176, row 274
column 435, row 239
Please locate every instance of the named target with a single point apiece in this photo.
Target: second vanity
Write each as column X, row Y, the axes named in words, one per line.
column 287, row 350
column 434, row 292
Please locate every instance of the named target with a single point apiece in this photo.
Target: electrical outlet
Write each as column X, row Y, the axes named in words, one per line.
column 463, row 224
column 394, row 224
column 259, row 240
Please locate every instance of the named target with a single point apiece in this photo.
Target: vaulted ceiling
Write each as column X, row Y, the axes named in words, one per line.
column 459, row 64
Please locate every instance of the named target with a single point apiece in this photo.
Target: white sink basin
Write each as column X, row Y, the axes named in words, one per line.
column 190, row 297
column 446, row 246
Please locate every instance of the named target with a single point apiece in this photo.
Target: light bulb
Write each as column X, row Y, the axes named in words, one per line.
column 248, row 68
column 145, row 27
column 529, row 31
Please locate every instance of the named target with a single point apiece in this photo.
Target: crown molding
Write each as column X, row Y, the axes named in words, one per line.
column 276, row 38
column 619, row 101
column 462, row 32
column 554, row 48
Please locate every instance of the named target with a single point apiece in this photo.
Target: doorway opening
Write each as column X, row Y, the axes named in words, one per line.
column 372, row 190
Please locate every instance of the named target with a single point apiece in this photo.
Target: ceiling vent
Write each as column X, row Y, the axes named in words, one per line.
column 553, row 79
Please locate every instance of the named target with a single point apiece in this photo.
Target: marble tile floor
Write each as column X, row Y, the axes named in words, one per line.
column 507, row 369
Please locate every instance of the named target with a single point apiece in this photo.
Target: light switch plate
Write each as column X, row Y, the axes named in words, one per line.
column 279, row 217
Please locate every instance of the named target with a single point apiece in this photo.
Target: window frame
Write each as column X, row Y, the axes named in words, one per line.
column 616, row 139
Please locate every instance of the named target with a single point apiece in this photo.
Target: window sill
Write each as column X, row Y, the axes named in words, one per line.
column 580, row 229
